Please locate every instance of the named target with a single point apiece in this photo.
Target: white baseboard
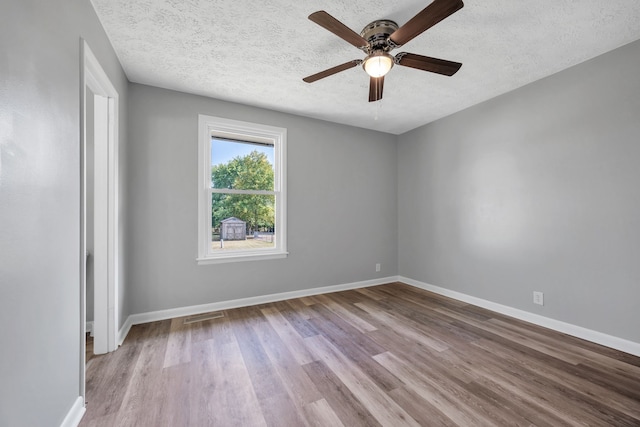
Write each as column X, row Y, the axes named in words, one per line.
column 557, row 325
column 124, row 331
column 75, row 414
column 153, row 316
column 89, row 327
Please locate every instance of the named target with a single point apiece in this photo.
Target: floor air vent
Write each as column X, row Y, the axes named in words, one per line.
column 203, row 317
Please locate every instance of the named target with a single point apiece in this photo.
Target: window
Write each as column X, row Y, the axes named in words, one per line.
column 242, row 197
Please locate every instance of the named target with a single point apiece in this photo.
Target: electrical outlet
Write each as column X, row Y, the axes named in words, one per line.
column 538, row 298
column 377, row 267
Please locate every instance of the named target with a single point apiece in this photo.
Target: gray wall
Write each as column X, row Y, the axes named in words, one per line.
column 537, row 189
column 40, row 203
column 341, row 205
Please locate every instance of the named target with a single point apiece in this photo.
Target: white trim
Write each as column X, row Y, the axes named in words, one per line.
column 83, row 226
column 209, row 126
column 124, row 331
column 75, row 414
column 557, row 325
column 153, row 316
column 242, row 256
column 100, row 250
column 95, row 78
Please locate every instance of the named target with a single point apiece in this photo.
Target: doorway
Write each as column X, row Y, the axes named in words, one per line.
column 99, row 207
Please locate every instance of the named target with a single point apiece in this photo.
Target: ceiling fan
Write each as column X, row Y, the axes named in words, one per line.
column 382, row 36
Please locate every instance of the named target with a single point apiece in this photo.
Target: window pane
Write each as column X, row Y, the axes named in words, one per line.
column 242, row 191
column 242, row 221
column 241, row 165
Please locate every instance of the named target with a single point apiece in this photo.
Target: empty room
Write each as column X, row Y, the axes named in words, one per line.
column 365, row 213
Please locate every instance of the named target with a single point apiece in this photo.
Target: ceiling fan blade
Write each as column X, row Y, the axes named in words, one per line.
column 426, row 63
column 376, row 84
column 330, row 23
column 430, row 16
column 333, row 70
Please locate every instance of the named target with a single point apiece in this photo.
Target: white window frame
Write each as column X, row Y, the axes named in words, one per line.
column 210, row 126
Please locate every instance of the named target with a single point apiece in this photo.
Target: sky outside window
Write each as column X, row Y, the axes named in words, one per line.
column 223, row 150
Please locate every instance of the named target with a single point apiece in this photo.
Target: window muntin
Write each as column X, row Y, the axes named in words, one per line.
column 242, row 188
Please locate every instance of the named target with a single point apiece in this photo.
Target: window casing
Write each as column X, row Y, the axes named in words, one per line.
column 215, row 129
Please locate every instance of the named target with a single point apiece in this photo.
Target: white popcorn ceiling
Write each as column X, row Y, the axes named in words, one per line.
column 257, row 53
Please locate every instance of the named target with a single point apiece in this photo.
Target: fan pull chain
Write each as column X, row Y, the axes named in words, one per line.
column 378, row 107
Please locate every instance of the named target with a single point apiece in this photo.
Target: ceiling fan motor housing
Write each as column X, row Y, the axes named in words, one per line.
column 377, row 34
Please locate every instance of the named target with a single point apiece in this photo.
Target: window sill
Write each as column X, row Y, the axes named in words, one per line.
column 241, row 257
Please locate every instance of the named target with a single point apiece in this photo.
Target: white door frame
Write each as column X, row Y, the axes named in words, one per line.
column 105, row 326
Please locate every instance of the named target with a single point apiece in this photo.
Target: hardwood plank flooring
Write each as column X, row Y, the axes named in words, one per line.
column 88, row 355
column 389, row 355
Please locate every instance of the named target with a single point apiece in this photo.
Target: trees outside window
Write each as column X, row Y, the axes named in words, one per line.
column 250, row 172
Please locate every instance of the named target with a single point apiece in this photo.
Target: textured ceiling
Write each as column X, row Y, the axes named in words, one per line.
column 257, row 53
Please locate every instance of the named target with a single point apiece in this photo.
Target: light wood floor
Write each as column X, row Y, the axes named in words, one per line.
column 88, row 349
column 388, row 355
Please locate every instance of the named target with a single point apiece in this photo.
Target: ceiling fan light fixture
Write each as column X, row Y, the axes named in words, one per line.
column 378, row 64
column 380, row 37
